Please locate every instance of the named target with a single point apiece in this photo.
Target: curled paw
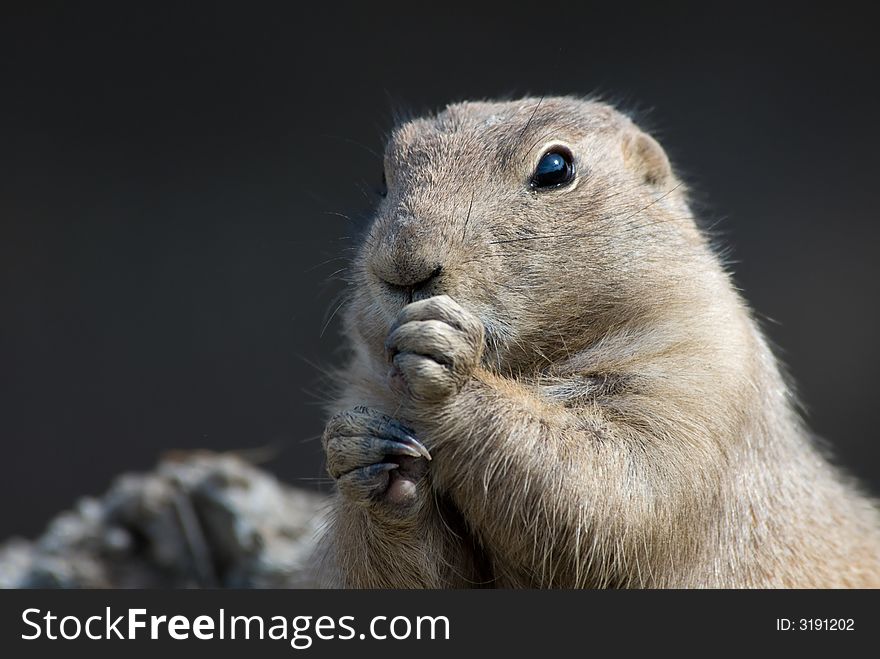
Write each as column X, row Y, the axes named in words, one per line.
column 374, row 458
column 434, row 347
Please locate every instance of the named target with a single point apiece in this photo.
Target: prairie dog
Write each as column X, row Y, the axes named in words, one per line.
column 553, row 383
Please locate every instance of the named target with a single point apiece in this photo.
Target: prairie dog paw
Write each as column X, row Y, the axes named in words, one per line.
column 434, row 347
column 375, row 459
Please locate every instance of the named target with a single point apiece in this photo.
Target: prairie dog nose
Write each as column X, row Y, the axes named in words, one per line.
column 410, row 276
column 409, row 257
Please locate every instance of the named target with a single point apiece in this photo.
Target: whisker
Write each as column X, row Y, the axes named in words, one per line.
column 531, row 118
column 342, row 215
column 332, row 315
column 354, row 142
column 323, row 263
column 584, row 235
column 468, row 218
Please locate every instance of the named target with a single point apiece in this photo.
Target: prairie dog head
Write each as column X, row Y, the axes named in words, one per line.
column 552, row 219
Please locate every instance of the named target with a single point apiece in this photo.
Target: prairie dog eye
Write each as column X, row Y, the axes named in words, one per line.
column 554, row 169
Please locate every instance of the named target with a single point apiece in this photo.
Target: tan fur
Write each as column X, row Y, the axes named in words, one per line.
column 600, row 407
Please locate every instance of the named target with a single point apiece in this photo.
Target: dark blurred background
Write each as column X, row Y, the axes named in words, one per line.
column 170, row 181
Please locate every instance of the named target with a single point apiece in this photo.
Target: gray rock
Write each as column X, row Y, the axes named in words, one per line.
column 198, row 520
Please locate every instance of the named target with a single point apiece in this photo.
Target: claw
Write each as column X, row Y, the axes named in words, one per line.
column 367, row 483
column 419, row 447
column 377, row 469
column 397, row 432
column 390, row 447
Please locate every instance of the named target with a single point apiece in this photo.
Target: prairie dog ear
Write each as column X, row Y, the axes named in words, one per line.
column 644, row 156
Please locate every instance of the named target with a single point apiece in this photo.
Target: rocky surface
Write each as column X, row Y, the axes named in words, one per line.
column 199, row 520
